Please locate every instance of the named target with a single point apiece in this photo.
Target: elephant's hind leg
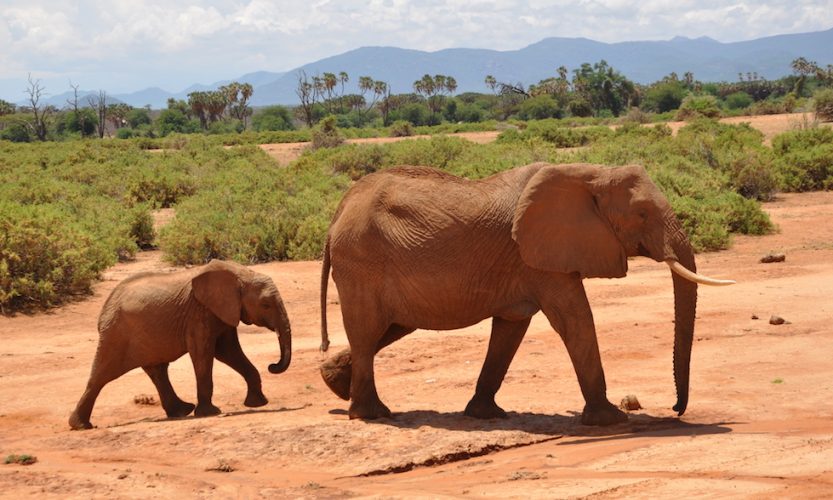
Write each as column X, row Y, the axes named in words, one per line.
column 336, row 370
column 364, row 400
column 229, row 352
column 80, row 417
column 503, row 344
column 174, row 407
column 103, row 372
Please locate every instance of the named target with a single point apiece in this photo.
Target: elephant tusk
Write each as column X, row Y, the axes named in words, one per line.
column 696, row 278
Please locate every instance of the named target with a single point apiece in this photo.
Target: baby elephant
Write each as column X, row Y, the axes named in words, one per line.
column 152, row 319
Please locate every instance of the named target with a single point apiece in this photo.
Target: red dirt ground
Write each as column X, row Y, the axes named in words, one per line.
column 759, row 421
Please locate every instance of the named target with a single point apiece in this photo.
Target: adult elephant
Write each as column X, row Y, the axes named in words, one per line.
column 151, row 319
column 414, row 247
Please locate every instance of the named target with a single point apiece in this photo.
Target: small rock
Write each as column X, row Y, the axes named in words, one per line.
column 773, row 257
column 777, row 320
column 630, row 403
column 755, row 316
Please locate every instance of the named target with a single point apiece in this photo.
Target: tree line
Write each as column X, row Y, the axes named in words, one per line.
column 591, row 90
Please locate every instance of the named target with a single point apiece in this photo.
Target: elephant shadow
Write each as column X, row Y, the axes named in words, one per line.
column 555, row 425
column 238, row 413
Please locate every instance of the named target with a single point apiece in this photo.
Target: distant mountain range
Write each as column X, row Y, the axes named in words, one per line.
column 642, row 62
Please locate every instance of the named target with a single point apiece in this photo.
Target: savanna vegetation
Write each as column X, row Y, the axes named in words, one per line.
column 69, row 208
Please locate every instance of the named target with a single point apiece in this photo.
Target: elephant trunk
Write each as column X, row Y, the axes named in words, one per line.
column 685, row 306
column 284, row 339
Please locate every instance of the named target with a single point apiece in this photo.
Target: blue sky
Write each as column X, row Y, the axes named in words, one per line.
column 123, row 46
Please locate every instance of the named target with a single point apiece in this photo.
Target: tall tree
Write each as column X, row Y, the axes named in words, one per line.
column 40, row 112
column 307, row 93
column 73, row 104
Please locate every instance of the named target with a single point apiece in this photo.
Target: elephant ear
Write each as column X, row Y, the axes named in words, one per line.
column 558, row 225
column 219, row 289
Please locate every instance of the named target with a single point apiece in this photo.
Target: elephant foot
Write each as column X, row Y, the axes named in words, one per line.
column 369, row 411
column 207, row 410
column 179, row 409
column 336, row 372
column 484, row 409
column 605, row 414
column 77, row 424
column 255, row 399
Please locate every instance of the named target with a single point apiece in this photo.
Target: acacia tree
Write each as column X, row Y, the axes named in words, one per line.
column 40, row 113
column 307, row 92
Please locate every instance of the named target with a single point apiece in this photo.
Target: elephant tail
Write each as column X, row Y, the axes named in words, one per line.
column 325, row 279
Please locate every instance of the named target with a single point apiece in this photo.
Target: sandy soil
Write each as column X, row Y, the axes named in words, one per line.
column 759, row 423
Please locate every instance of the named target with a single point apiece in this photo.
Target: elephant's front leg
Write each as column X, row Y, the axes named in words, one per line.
column 503, row 344
column 201, row 350
column 230, row 353
column 570, row 315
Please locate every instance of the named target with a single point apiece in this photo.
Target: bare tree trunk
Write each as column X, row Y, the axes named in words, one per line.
column 39, row 114
column 99, row 103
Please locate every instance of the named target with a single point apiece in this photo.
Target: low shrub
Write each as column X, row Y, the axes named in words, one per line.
column 357, row 160
column 804, row 159
column 698, row 106
column 401, row 128
column 326, row 134
column 46, row 256
column 823, row 104
column 557, row 134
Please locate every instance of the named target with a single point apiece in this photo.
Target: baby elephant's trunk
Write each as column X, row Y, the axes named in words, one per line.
column 285, row 341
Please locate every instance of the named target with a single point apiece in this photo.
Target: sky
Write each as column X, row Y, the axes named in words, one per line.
column 124, row 46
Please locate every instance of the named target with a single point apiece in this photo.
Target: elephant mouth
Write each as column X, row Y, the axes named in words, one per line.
column 694, row 277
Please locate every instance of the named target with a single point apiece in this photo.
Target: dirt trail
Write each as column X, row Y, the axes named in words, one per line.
column 759, row 423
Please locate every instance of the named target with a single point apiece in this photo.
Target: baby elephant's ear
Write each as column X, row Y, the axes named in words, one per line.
column 219, row 290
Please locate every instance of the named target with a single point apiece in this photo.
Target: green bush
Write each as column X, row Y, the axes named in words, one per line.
column 401, row 128
column 556, row 133
column 693, row 170
column 272, row 118
column 698, row 106
column 823, row 104
column 539, row 108
column 357, row 160
column 804, row 159
column 664, row 96
column 256, row 213
column 326, row 134
column 738, row 100
column 46, row 256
